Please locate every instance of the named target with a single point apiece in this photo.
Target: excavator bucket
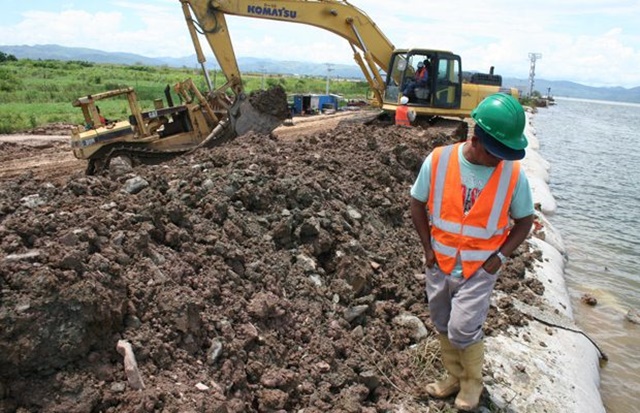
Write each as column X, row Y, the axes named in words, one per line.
column 260, row 112
column 249, row 118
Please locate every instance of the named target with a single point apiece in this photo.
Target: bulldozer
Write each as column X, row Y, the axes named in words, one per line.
column 207, row 119
column 166, row 131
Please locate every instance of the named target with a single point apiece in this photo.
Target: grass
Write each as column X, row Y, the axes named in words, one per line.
column 38, row 92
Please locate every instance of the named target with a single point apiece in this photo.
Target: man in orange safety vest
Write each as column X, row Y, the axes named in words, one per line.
column 404, row 114
column 472, row 206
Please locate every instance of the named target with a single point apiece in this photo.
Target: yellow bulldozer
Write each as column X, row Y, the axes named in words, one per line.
column 204, row 119
column 169, row 130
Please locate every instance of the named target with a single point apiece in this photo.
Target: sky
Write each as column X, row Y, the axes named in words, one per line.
column 592, row 42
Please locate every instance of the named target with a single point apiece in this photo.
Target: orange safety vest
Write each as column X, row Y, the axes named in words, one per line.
column 402, row 116
column 421, row 74
column 479, row 233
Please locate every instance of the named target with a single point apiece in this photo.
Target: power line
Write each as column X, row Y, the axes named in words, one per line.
column 532, row 69
column 329, row 70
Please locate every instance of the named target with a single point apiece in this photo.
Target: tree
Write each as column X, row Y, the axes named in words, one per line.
column 4, row 57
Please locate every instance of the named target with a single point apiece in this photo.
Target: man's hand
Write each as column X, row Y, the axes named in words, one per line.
column 429, row 257
column 421, row 223
column 492, row 264
column 516, row 236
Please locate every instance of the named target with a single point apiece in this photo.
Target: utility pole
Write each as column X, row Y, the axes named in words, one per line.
column 262, row 79
column 329, row 70
column 532, row 69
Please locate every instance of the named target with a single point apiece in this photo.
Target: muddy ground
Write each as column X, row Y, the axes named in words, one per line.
column 274, row 273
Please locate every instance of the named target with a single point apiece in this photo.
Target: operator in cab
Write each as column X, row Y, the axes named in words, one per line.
column 420, row 79
column 103, row 120
column 404, row 114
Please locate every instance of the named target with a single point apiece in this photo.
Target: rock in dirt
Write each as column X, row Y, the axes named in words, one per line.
column 134, row 377
column 633, row 316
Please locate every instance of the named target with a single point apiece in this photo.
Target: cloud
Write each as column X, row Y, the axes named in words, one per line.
column 593, row 42
column 69, row 28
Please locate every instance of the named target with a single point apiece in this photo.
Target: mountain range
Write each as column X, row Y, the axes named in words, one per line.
column 556, row 88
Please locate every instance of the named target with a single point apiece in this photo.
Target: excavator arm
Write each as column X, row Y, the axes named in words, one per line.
column 372, row 49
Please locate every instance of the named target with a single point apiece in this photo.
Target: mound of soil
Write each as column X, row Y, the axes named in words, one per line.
column 272, row 101
column 260, row 275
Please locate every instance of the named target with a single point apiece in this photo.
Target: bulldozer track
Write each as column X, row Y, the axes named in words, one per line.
column 137, row 152
column 142, row 153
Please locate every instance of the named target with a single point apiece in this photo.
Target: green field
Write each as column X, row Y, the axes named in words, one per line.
column 38, row 92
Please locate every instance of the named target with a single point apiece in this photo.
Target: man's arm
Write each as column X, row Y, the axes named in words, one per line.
column 516, row 236
column 421, row 223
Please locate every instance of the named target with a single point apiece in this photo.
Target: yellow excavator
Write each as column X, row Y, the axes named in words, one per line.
column 446, row 93
column 203, row 119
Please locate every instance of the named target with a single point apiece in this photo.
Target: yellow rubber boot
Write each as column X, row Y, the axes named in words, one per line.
column 451, row 361
column 471, row 385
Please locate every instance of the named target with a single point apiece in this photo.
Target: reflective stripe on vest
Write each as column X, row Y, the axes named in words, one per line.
column 402, row 116
column 483, row 230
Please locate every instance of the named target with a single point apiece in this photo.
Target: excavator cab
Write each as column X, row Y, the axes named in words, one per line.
column 441, row 88
column 442, row 92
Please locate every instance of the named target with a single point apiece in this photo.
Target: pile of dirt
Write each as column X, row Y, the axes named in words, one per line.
column 261, row 275
column 272, row 101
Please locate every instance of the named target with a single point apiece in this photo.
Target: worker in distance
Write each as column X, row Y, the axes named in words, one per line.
column 404, row 114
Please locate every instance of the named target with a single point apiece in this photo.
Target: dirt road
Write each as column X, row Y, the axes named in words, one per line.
column 44, row 156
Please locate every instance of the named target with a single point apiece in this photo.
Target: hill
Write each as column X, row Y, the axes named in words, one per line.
column 246, row 64
column 559, row 88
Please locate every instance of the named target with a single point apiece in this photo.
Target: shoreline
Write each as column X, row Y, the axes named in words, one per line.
column 541, row 368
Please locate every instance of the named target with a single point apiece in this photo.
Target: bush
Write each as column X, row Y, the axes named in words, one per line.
column 12, row 123
column 72, row 64
column 4, row 57
column 9, row 81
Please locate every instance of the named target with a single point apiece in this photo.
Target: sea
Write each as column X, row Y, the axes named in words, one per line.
column 594, row 151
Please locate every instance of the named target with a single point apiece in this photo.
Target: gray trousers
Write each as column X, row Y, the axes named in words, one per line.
column 459, row 306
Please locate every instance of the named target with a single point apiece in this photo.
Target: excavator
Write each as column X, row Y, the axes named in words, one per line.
column 447, row 92
column 207, row 119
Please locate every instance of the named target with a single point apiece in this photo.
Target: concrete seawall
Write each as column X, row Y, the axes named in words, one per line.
column 545, row 366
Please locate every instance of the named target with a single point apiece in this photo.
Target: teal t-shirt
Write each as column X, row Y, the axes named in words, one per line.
column 474, row 177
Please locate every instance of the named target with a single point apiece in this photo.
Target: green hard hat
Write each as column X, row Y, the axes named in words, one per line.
column 503, row 118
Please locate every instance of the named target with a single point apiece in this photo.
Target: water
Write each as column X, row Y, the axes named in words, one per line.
column 595, row 177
